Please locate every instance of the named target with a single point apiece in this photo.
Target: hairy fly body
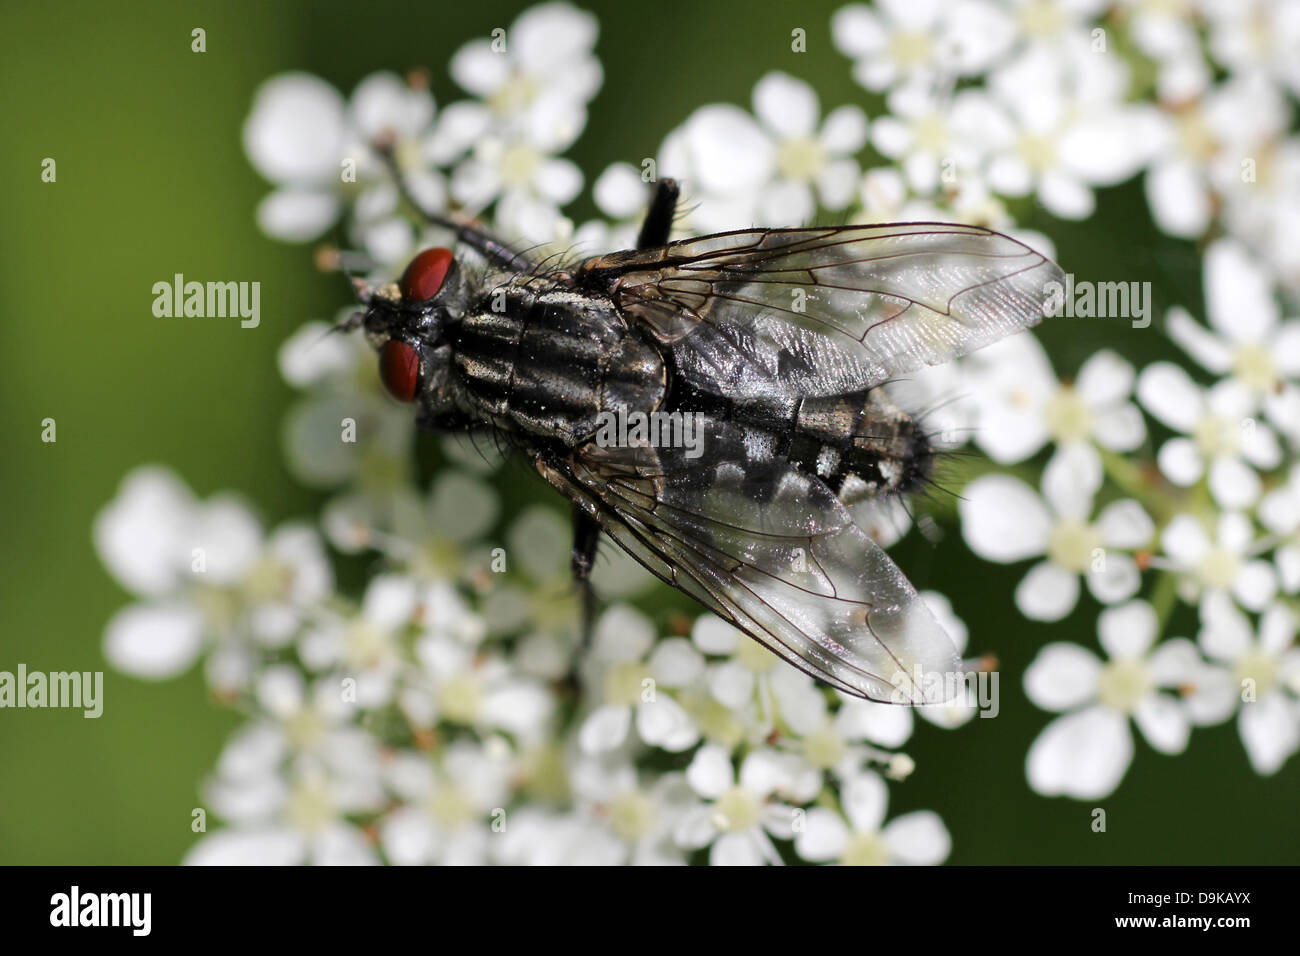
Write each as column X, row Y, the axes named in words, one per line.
column 777, row 342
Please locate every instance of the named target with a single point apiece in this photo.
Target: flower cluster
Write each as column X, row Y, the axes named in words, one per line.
column 448, row 712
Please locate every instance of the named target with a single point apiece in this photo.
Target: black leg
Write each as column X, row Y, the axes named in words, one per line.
column 658, row 223
column 490, row 248
column 586, row 535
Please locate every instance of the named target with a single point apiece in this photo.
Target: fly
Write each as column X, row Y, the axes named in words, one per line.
column 775, row 343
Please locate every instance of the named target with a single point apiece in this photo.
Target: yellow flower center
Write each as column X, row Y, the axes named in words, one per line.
column 513, row 95
column 931, row 132
column 305, row 729
column 623, row 684
column 910, row 49
column 1215, row 437
column 735, row 810
column 801, row 159
column 1254, row 366
column 631, row 815
column 1123, row 684
column 717, row 721
column 823, row 748
column 1038, row 151
column 519, row 163
column 449, row 805
column 365, row 645
column 1069, row 419
column 309, row 808
column 1218, row 568
column 1071, row 543
column 1261, row 668
column 1042, row 18
column 866, row 849
column 460, row 698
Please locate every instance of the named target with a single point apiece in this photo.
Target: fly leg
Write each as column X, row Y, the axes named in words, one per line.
column 659, row 217
column 492, row 249
column 586, row 535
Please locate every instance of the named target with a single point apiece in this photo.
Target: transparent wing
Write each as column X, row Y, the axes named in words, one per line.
column 826, row 311
column 773, row 551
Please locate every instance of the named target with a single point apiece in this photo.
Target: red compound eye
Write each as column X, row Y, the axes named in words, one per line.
column 425, row 275
column 399, row 368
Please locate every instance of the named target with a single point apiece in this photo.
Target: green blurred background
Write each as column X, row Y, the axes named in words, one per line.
column 152, row 181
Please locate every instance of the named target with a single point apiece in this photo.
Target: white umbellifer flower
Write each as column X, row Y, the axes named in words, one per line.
column 905, row 40
column 1003, row 520
column 1165, row 30
column 807, row 159
column 1260, row 673
column 1248, row 339
column 937, row 143
column 1221, row 441
column 534, row 83
column 1062, row 140
column 740, row 815
column 287, row 810
column 1085, row 752
column 446, row 803
column 723, row 160
column 918, row 838
column 1201, row 145
column 1256, row 36
column 365, row 647
column 207, row 572
column 634, row 689
column 641, row 816
column 317, row 150
column 1222, row 564
column 545, row 56
column 347, row 428
column 753, row 682
column 1019, row 405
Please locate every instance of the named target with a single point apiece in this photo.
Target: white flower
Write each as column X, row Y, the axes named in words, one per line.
column 1003, row 520
column 288, row 810
column 546, row 55
column 634, row 690
column 807, row 157
column 640, row 816
column 1084, row 753
column 1247, row 339
column 740, row 815
column 1019, row 405
column 917, row 838
column 1220, row 440
column 1224, row 564
column 208, row 574
column 1063, row 139
column 446, row 804
column 322, row 449
column 905, row 40
column 317, row 150
column 1261, row 673
column 934, row 141
column 753, row 682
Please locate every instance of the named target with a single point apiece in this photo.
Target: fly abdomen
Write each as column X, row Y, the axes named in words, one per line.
column 860, row 444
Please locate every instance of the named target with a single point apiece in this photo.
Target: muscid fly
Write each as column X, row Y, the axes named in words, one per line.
column 775, row 342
